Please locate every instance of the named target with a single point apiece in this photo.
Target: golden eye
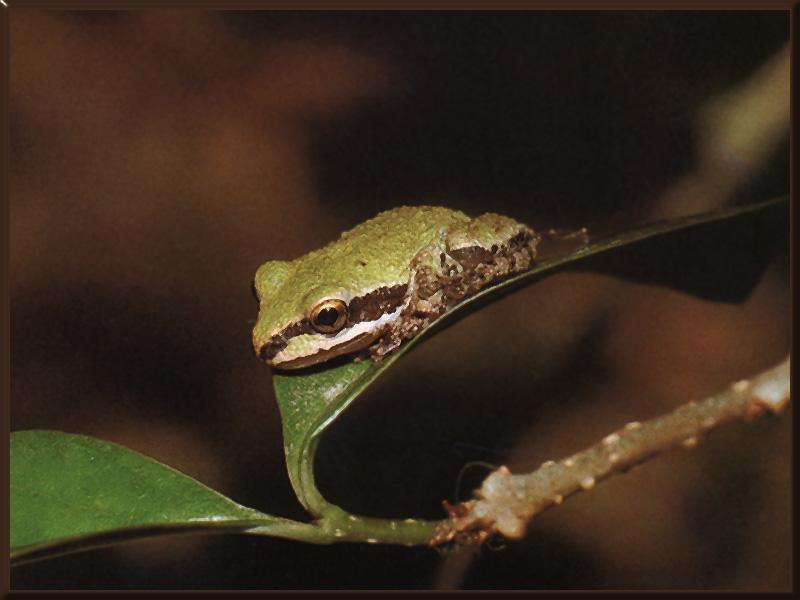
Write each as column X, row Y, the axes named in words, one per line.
column 329, row 316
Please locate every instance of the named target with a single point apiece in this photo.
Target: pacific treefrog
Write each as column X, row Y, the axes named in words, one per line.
column 382, row 282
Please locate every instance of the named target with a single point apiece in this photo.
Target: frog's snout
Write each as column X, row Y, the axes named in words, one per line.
column 266, row 351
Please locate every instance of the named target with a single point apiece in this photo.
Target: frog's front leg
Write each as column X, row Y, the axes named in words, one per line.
column 430, row 271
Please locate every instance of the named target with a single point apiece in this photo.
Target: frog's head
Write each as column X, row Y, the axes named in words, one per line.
column 303, row 321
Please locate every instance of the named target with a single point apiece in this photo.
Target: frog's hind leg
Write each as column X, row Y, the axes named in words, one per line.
column 491, row 248
column 487, row 250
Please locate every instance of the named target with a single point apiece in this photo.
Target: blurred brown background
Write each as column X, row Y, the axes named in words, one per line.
column 159, row 157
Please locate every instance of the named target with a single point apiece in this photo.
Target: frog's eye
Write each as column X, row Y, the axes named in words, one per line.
column 329, row 316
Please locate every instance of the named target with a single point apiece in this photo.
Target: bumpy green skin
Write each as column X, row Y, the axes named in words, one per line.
column 377, row 253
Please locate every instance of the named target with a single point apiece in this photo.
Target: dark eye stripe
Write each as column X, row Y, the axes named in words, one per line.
column 371, row 306
column 363, row 308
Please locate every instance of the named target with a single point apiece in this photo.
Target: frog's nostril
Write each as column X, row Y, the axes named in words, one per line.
column 269, row 349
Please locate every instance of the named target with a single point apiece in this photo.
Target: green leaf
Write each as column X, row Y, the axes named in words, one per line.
column 311, row 399
column 70, row 492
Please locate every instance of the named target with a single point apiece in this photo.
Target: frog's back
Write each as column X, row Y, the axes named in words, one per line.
column 382, row 247
column 405, row 228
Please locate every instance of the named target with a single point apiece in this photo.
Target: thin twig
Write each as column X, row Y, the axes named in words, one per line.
column 505, row 503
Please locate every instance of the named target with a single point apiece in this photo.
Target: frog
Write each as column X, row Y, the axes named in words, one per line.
column 382, row 282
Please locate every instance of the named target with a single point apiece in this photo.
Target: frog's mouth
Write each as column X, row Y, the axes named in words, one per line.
column 299, row 345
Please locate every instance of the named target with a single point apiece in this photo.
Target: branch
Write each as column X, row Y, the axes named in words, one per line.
column 505, row 503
